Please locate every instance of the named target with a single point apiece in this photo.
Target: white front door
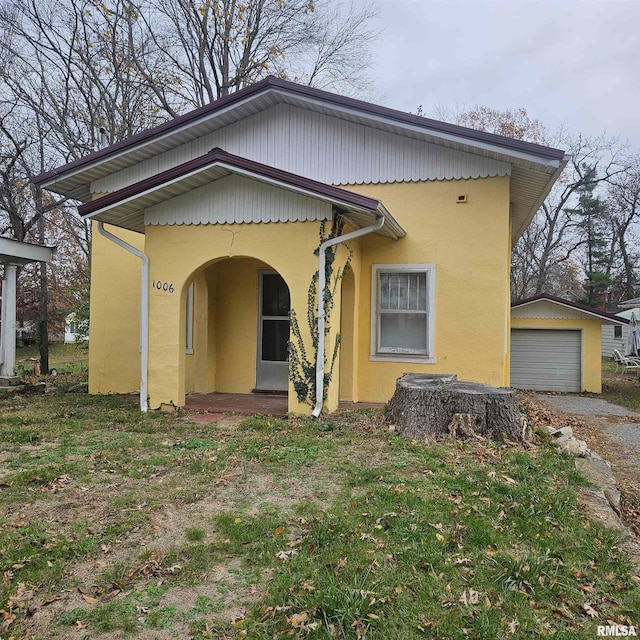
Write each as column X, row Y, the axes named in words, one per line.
column 272, row 369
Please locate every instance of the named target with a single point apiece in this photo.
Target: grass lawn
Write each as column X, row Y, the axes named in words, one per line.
column 115, row 524
column 65, row 358
column 619, row 386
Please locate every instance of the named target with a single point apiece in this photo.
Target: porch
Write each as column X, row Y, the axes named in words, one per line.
column 250, row 404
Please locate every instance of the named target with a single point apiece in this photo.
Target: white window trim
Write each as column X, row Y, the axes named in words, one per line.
column 430, row 270
column 189, row 322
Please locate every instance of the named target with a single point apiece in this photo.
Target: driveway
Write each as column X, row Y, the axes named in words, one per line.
column 610, row 430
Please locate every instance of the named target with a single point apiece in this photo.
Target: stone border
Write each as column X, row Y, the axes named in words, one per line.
column 603, row 500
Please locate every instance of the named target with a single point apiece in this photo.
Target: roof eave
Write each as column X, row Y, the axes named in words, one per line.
column 515, row 236
column 511, row 148
column 335, row 196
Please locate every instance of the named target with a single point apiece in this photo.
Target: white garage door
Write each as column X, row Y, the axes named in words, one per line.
column 546, row 360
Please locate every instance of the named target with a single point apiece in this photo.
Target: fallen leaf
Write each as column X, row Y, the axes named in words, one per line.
column 298, row 619
column 111, row 595
column 279, row 531
column 89, row 599
column 589, row 610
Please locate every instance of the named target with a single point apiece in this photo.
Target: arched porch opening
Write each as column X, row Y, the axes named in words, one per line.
column 236, row 328
column 348, row 361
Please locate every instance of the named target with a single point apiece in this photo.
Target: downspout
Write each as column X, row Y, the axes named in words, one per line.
column 317, row 410
column 144, row 311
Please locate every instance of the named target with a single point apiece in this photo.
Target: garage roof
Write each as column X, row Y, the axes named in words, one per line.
column 547, row 306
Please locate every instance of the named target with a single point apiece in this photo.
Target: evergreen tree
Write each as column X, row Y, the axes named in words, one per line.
column 592, row 224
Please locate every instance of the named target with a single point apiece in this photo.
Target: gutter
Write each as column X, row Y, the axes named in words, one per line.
column 322, row 285
column 144, row 312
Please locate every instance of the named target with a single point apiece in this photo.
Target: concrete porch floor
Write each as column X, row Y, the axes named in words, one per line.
column 251, row 404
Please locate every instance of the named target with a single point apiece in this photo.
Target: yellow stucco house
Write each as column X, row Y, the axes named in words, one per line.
column 216, row 233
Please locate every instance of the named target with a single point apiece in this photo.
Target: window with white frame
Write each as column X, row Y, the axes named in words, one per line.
column 189, row 321
column 402, row 311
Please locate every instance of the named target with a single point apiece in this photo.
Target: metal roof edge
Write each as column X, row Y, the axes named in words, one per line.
column 481, row 138
column 571, row 305
column 541, row 198
column 249, row 168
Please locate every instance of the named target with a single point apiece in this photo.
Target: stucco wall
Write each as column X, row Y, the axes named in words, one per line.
column 114, row 356
column 177, row 253
column 591, row 344
column 469, row 244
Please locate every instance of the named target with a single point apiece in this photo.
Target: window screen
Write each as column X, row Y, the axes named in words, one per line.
column 402, row 312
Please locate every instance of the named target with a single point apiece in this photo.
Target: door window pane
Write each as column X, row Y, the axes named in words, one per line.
column 275, row 295
column 275, row 340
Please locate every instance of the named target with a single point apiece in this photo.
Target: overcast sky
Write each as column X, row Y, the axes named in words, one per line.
column 570, row 62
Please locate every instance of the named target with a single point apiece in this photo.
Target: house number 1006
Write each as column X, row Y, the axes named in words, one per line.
column 162, row 286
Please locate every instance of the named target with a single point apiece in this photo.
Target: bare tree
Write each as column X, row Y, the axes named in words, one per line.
column 76, row 74
column 545, row 258
column 624, row 211
column 213, row 48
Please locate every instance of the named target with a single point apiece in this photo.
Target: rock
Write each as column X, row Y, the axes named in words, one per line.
column 603, row 511
column 598, row 472
column 613, row 496
column 564, row 431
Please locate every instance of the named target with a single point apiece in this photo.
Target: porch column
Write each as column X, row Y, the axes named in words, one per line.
column 8, row 367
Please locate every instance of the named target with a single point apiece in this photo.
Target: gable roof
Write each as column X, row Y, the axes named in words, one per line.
column 609, row 318
column 126, row 206
column 534, row 167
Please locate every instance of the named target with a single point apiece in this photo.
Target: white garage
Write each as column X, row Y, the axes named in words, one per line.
column 556, row 345
column 546, row 359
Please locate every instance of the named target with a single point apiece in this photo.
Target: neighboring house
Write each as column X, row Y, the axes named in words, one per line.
column 616, row 336
column 229, row 203
column 556, row 344
column 73, row 330
column 630, row 304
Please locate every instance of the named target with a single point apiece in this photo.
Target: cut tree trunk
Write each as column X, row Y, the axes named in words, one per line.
column 427, row 406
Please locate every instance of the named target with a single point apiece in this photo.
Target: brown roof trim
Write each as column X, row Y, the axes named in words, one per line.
column 271, row 82
column 219, row 156
column 569, row 303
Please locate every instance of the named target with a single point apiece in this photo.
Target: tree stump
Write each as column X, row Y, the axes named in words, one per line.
column 426, row 406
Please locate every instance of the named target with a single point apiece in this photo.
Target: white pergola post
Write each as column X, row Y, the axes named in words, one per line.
column 8, row 354
column 12, row 255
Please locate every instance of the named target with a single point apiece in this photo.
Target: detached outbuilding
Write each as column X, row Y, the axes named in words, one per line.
column 556, row 344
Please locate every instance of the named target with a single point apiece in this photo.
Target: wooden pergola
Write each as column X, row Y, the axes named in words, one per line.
column 14, row 254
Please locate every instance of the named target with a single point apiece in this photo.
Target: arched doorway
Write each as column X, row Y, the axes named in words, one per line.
column 348, row 385
column 237, row 324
